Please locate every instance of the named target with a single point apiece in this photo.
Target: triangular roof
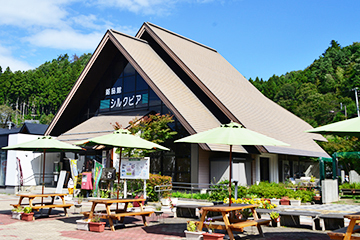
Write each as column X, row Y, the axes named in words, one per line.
column 183, row 73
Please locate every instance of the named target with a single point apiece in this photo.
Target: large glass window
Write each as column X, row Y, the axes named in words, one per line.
column 130, row 91
column 3, row 162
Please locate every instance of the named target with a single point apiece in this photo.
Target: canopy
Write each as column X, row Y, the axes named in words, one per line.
column 350, row 127
column 44, row 144
column 232, row 134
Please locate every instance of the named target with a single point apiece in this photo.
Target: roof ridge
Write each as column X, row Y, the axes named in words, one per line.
column 180, row 36
column 126, row 35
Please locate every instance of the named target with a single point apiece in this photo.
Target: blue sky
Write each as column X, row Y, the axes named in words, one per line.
column 258, row 37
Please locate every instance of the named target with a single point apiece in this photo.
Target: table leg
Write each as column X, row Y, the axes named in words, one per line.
column 350, row 229
column 227, row 226
column 91, row 214
column 20, row 200
column 108, row 212
column 143, row 217
column 30, row 201
column 202, row 220
column 52, row 202
column 258, row 226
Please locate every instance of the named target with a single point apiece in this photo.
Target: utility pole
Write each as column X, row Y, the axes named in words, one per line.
column 356, row 99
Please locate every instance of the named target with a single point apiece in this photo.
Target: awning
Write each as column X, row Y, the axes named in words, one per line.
column 97, row 126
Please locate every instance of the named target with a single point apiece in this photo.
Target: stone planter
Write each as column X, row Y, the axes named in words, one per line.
column 97, row 226
column 213, row 236
column 82, row 225
column 275, row 201
column 16, row 215
column 194, row 235
column 295, row 202
column 27, row 216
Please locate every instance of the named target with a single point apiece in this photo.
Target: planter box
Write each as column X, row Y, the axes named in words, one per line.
column 295, row 202
column 97, row 226
column 275, row 201
column 194, row 235
column 16, row 215
column 165, row 201
column 213, row 236
column 284, row 202
column 27, row 216
column 82, row 225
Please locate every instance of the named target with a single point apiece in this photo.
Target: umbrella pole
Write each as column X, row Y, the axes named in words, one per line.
column 230, row 170
column 117, row 205
column 43, row 180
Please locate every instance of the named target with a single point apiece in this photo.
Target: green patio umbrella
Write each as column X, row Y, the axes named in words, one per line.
column 44, row 144
column 232, row 134
column 350, row 127
column 121, row 138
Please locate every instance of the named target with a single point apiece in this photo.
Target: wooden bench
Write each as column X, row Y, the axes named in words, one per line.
column 26, row 204
column 118, row 216
column 248, row 223
column 50, row 207
column 240, row 225
column 340, row 233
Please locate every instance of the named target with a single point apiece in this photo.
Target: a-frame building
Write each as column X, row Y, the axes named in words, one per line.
column 161, row 71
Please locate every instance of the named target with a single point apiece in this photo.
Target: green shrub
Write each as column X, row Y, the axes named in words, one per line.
column 157, row 180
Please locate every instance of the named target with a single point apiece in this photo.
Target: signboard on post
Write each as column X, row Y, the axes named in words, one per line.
column 135, row 168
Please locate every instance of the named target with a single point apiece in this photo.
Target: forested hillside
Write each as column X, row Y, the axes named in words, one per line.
column 316, row 93
column 37, row 94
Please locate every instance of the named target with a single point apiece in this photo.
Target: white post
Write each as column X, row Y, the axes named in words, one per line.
column 125, row 189
column 144, row 188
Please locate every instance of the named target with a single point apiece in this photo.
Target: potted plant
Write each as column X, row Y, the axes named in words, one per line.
column 295, row 201
column 285, row 200
column 16, row 212
column 27, row 215
column 211, row 235
column 191, row 232
column 95, row 225
column 275, row 219
column 158, row 211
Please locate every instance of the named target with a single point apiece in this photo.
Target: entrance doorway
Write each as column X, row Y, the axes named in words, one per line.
column 264, row 169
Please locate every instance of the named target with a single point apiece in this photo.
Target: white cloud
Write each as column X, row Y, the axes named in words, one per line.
column 25, row 13
column 150, row 7
column 65, row 39
column 7, row 60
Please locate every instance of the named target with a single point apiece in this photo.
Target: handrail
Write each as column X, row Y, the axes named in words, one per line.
column 186, row 186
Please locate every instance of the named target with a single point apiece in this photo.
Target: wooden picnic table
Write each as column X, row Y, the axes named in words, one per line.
column 346, row 233
column 119, row 214
column 50, row 205
column 232, row 223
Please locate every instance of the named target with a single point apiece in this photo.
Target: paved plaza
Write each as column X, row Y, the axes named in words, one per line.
column 57, row 226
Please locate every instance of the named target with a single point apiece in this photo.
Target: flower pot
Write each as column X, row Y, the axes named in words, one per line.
column 284, row 202
column 82, row 225
column 16, row 215
column 27, row 216
column 295, row 202
column 275, row 201
column 275, row 222
column 165, row 201
column 194, row 235
column 97, row 226
column 213, row 236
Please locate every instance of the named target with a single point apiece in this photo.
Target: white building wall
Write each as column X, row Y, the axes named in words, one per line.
column 31, row 163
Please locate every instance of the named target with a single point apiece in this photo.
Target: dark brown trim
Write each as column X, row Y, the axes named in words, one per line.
column 77, row 83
